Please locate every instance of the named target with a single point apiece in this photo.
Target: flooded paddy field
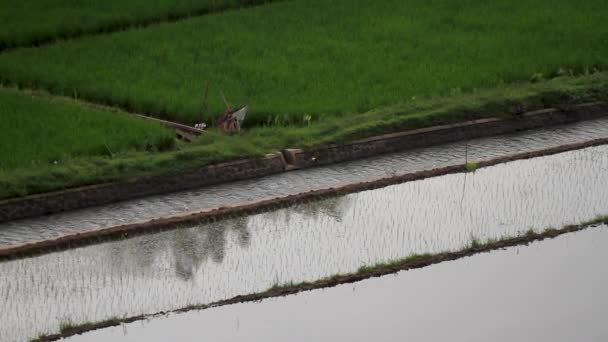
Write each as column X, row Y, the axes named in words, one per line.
column 553, row 290
column 215, row 261
column 46, row 227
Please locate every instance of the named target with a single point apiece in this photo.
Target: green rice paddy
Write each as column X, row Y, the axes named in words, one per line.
column 38, row 132
column 320, row 58
column 313, row 72
column 27, row 22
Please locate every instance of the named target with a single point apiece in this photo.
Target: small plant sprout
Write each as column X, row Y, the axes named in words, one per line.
column 471, row 166
column 475, row 242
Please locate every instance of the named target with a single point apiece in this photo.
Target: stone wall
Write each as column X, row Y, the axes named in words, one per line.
column 71, row 199
column 107, row 193
column 300, row 158
column 93, row 236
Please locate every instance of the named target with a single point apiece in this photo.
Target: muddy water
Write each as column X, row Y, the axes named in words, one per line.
column 296, row 182
column 554, row 290
column 202, row 264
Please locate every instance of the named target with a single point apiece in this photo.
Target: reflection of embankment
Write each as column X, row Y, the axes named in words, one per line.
column 411, row 262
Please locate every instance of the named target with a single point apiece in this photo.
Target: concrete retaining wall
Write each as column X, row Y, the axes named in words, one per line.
column 107, row 193
column 93, row 236
column 290, row 159
column 439, row 135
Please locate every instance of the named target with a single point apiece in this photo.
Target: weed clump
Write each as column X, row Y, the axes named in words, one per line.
column 471, row 166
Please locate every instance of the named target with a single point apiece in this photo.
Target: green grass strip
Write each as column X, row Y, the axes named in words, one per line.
column 212, row 147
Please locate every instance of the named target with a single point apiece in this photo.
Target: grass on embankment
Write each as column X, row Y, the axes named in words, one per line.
column 413, row 261
column 36, row 132
column 213, row 147
column 27, row 22
column 320, row 58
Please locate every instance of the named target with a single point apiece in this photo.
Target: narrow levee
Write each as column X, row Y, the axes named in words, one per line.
column 552, row 290
column 211, row 262
column 48, row 227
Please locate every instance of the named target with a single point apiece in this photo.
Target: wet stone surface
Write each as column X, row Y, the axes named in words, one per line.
column 203, row 264
column 295, row 182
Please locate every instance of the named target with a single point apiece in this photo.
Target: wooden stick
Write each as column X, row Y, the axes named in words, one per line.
column 224, row 98
column 205, row 108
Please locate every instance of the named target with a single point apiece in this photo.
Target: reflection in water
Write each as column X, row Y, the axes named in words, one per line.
column 191, row 247
column 552, row 290
column 203, row 264
column 188, row 249
column 333, row 208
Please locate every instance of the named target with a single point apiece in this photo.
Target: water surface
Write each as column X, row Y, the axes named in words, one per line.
column 211, row 262
column 554, row 290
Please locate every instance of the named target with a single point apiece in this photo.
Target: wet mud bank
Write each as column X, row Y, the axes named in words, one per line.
column 408, row 263
column 258, row 206
column 289, row 159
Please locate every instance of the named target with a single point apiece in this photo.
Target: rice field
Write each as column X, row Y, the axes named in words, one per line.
column 27, row 22
column 322, row 70
column 39, row 132
column 213, row 147
column 320, row 58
